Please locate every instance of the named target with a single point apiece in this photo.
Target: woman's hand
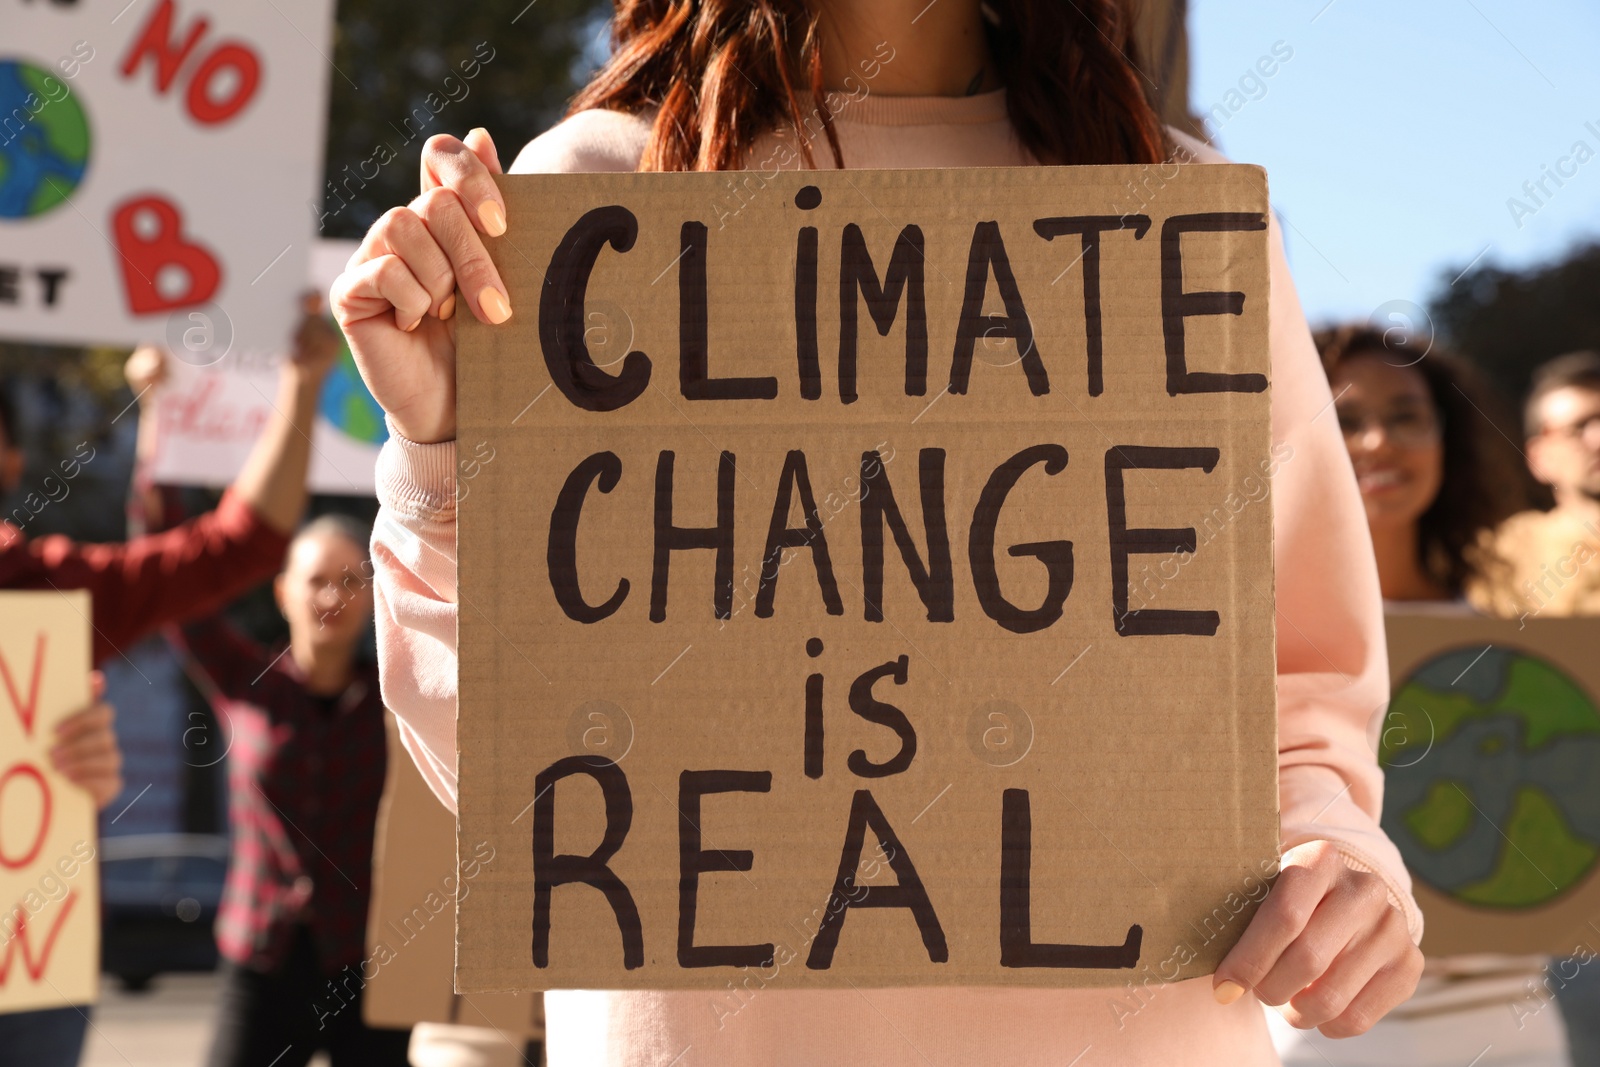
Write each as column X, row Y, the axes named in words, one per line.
column 396, row 297
column 86, row 749
column 1327, row 943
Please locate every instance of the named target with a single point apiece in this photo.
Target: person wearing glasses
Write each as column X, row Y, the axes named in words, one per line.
column 1548, row 562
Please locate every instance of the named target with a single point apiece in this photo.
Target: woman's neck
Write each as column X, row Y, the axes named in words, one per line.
column 913, row 47
column 328, row 668
column 1400, row 573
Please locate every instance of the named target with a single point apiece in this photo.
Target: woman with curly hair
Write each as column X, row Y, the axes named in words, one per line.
column 1436, row 469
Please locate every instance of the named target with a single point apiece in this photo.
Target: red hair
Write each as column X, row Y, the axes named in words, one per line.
column 721, row 73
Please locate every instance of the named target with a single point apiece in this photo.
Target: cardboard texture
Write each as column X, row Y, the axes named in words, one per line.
column 1490, row 748
column 49, row 881
column 411, row 920
column 793, row 555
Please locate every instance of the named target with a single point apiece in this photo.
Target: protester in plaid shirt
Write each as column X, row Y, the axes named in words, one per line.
column 304, row 735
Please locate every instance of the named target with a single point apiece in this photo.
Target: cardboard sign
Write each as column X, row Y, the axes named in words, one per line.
column 158, row 166
column 208, row 417
column 49, row 884
column 802, row 622
column 408, row 973
column 1490, row 749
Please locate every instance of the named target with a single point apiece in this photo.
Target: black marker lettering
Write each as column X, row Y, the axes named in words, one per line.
column 562, row 552
column 1176, row 305
column 1055, row 555
column 1126, row 542
column 1017, row 947
column 561, row 322
column 935, row 582
column 1089, row 227
column 551, row 870
column 693, row 861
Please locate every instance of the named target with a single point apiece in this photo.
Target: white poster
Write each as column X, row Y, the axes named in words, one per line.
column 159, row 160
column 208, row 417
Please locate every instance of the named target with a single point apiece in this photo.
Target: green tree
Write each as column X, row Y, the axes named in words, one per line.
column 1509, row 321
column 408, row 69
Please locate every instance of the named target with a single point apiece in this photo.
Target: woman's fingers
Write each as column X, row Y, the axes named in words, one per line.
column 1339, row 920
column 482, row 145
column 442, row 212
column 450, row 163
column 1364, row 976
column 1281, row 919
column 402, row 233
column 1390, row 985
column 372, row 288
column 1327, row 943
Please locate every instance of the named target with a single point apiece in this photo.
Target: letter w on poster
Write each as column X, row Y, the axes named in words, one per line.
column 846, row 599
column 49, row 884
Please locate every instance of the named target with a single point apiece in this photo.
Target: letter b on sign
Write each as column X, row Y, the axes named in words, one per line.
column 160, row 269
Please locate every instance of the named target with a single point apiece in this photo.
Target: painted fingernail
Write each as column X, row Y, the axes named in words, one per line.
column 413, row 326
column 494, row 304
column 447, row 308
column 493, row 216
column 1228, row 992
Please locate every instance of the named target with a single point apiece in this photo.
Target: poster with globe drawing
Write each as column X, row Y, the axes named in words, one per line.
column 1491, row 756
column 209, row 417
column 158, row 163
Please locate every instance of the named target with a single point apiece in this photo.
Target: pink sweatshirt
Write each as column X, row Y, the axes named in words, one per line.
column 1332, row 689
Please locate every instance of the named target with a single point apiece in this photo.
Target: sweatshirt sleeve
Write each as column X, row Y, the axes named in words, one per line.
column 1333, row 669
column 414, row 540
column 190, row 570
column 414, row 564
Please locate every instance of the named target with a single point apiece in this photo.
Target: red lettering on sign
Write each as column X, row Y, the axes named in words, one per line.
column 202, row 414
column 25, row 709
column 156, row 42
column 143, row 258
column 35, row 965
column 30, row 771
column 206, row 108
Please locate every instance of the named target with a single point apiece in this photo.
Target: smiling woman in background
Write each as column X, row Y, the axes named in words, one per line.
column 1436, row 473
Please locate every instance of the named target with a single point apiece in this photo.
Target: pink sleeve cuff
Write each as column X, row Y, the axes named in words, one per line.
column 1399, row 896
column 416, row 480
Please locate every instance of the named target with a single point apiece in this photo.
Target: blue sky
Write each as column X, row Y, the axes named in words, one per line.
column 1397, row 130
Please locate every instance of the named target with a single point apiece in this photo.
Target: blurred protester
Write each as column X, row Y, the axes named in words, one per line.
column 1437, row 475
column 1542, row 559
column 304, row 733
column 142, row 584
column 1544, row 563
